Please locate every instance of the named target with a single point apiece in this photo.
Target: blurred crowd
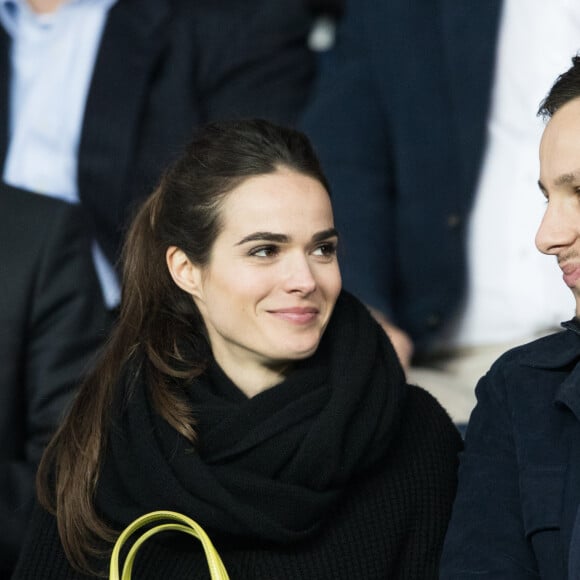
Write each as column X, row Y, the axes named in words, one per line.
column 424, row 117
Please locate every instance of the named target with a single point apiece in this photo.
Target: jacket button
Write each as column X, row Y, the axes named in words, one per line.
column 453, row 220
column 433, row 320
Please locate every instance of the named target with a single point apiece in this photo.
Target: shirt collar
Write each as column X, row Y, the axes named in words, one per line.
column 10, row 11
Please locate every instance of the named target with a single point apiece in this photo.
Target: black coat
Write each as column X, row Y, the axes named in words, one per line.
column 165, row 67
column 52, row 319
column 517, row 506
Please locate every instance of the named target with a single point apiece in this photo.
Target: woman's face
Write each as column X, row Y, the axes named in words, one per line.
column 272, row 280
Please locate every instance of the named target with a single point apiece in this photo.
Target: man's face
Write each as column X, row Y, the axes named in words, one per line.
column 559, row 232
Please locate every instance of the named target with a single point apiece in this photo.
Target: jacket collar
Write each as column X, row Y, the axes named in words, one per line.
column 560, row 352
column 556, row 350
column 573, row 325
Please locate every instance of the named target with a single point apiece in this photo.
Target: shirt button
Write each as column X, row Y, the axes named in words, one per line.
column 453, row 220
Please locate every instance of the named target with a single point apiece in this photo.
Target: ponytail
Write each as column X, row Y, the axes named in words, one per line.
column 145, row 332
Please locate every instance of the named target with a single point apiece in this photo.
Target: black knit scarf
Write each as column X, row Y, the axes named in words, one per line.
column 270, row 467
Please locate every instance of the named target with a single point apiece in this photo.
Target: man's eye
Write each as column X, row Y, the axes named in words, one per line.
column 264, row 252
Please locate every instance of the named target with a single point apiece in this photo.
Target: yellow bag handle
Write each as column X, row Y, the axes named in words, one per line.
column 173, row 522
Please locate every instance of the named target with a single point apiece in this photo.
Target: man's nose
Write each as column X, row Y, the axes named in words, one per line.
column 557, row 229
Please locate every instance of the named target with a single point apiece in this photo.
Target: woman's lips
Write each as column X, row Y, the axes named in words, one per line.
column 296, row 315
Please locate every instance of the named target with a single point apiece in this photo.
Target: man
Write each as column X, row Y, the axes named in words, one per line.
column 424, row 121
column 97, row 96
column 517, row 513
column 52, row 319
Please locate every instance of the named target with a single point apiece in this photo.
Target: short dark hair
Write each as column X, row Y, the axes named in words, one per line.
column 565, row 89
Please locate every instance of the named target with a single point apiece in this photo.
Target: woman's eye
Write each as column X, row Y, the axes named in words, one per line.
column 264, row 252
column 326, row 249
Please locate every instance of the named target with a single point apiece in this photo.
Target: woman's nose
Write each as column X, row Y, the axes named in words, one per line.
column 299, row 276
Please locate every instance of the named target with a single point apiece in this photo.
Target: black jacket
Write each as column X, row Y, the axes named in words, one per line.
column 52, row 319
column 517, row 506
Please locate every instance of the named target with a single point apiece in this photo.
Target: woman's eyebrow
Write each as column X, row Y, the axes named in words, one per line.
column 283, row 238
column 324, row 235
column 265, row 237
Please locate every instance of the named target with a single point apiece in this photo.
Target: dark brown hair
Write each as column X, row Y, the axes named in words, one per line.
column 157, row 319
column 565, row 89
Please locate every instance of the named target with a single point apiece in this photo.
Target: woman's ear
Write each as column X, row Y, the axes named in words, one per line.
column 185, row 274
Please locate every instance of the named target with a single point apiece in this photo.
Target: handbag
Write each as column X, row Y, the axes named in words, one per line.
column 164, row 521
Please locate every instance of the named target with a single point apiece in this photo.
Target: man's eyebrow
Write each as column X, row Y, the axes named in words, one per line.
column 564, row 179
column 567, row 178
column 283, row 238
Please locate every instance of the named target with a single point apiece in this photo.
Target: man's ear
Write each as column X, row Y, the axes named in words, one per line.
column 185, row 274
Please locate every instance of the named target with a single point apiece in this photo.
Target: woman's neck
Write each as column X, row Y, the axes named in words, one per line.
column 252, row 378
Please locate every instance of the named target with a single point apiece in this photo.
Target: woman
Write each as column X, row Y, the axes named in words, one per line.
column 242, row 387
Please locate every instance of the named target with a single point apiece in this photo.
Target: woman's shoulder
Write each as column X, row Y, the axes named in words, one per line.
column 42, row 555
column 404, row 502
column 425, row 421
column 422, row 456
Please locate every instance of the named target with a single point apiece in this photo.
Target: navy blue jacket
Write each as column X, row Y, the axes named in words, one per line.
column 163, row 68
column 399, row 121
column 519, row 479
